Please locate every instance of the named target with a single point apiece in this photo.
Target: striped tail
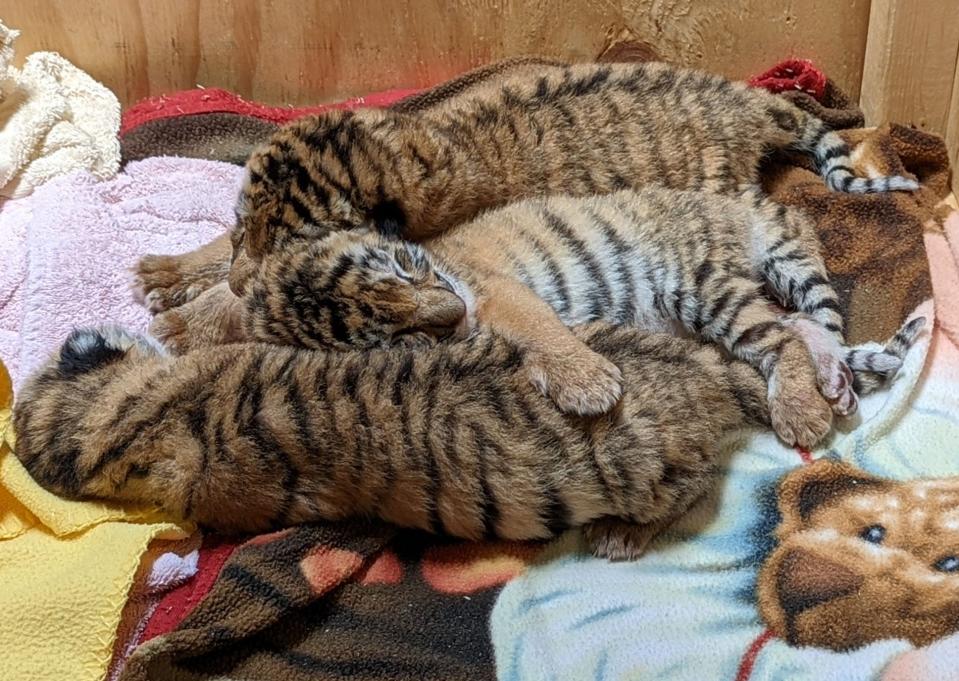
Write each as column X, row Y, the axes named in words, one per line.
column 873, row 369
column 832, row 158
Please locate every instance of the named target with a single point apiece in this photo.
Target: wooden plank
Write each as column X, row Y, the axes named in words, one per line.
column 307, row 51
column 910, row 64
column 952, row 131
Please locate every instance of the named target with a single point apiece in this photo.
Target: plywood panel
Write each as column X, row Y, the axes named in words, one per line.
column 952, row 130
column 910, row 63
column 306, row 51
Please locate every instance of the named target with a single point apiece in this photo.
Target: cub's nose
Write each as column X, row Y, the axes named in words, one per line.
column 439, row 312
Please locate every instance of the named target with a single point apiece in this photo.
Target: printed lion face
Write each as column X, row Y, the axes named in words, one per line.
column 862, row 558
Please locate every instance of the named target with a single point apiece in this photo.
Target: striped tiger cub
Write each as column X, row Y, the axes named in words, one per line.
column 249, row 437
column 555, row 129
column 683, row 262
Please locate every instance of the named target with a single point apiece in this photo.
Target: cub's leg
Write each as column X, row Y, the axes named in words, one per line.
column 791, row 266
column 162, row 282
column 215, row 317
column 786, row 256
column 577, row 379
column 741, row 320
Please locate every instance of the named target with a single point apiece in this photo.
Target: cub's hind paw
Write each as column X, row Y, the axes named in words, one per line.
column 618, row 540
column 171, row 328
column 833, row 374
column 799, row 413
column 836, row 384
column 214, row 318
column 587, row 384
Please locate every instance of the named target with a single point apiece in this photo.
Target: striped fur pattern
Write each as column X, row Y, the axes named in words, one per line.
column 684, row 262
column 249, row 437
column 577, row 129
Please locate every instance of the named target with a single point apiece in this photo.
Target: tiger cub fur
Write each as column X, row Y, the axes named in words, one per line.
column 684, row 262
column 558, row 129
column 249, row 437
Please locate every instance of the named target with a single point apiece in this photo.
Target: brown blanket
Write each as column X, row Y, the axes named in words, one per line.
column 369, row 602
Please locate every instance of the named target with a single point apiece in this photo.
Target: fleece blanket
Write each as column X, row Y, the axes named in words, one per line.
column 372, row 602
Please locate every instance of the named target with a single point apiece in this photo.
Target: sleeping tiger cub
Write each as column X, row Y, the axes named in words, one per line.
column 576, row 129
column 684, row 262
column 250, row 437
column 455, row 440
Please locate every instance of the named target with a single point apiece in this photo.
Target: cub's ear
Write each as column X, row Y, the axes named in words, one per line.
column 806, row 488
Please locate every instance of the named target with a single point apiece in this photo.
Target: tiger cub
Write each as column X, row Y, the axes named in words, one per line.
column 684, row 262
column 557, row 129
column 453, row 441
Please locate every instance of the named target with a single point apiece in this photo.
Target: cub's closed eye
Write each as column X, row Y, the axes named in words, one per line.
column 874, row 534
column 947, row 564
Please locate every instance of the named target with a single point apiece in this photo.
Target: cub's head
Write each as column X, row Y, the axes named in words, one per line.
column 356, row 290
column 862, row 558
column 316, row 175
column 60, row 402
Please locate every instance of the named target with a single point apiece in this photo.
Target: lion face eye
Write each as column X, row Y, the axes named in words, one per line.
column 947, row 564
column 874, row 534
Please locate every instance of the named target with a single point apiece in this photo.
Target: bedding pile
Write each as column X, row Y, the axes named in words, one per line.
column 54, row 119
column 373, row 602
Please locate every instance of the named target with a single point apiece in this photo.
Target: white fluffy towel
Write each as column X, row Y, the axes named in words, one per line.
column 54, row 119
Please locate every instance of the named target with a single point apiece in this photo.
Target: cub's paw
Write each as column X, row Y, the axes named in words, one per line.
column 585, row 384
column 836, row 384
column 172, row 329
column 828, row 356
column 799, row 413
column 162, row 282
column 617, row 540
column 159, row 283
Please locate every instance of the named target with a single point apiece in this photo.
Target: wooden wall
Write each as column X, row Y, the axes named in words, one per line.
column 911, row 68
column 901, row 54
column 308, row 51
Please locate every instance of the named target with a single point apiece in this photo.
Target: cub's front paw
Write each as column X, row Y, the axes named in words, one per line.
column 585, row 384
column 160, row 284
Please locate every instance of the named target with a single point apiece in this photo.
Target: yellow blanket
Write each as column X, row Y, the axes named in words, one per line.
column 65, row 571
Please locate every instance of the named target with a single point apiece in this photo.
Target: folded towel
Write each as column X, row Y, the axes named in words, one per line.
column 71, row 244
column 54, row 119
column 66, row 569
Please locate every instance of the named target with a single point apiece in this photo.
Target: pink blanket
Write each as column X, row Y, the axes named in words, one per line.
column 66, row 250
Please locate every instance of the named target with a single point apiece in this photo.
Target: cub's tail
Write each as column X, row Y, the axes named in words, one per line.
column 874, row 368
column 830, row 152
